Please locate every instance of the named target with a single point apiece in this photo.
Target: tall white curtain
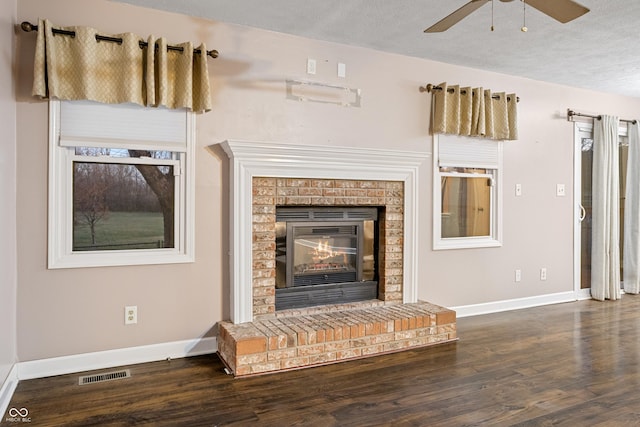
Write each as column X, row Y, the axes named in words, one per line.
column 605, row 255
column 631, row 258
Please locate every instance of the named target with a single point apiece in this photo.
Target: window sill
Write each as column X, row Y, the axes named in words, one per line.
column 466, row 243
column 119, row 258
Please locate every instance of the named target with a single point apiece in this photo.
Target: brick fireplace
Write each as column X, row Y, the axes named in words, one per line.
column 264, row 176
column 271, row 192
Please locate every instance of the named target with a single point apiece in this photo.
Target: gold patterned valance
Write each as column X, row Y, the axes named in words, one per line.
column 82, row 67
column 475, row 112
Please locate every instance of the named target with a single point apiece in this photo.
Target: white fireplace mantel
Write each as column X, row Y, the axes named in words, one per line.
column 264, row 159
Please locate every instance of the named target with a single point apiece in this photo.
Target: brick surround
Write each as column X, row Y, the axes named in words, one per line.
column 271, row 192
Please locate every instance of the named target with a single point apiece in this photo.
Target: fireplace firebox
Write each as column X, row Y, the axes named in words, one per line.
column 325, row 255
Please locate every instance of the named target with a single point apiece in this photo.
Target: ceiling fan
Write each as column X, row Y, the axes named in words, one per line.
column 561, row 10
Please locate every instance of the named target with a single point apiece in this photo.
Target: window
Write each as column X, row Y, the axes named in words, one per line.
column 120, row 185
column 466, row 192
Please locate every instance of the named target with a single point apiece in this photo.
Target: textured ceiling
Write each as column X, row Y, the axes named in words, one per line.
column 599, row 50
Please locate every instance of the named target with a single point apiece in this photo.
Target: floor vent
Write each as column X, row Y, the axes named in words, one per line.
column 107, row 376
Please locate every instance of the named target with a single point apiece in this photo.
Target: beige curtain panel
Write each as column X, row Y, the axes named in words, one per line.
column 75, row 68
column 474, row 112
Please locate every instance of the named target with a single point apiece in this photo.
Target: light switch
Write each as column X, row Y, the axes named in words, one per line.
column 342, row 70
column 311, row 66
column 518, row 189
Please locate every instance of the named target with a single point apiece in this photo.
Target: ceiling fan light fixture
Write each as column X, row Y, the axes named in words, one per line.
column 560, row 10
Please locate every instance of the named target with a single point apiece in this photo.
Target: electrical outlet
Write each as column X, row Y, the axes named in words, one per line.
column 518, row 275
column 543, row 273
column 131, row 315
column 560, row 190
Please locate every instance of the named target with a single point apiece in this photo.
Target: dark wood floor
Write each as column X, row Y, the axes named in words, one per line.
column 574, row 364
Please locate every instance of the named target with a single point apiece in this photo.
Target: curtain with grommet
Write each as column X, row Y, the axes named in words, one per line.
column 475, row 112
column 605, row 254
column 82, row 67
column 631, row 245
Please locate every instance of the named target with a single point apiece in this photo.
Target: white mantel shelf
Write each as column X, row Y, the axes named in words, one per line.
column 250, row 159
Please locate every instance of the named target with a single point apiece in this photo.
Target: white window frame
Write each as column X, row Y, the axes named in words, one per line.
column 141, row 123
column 485, row 154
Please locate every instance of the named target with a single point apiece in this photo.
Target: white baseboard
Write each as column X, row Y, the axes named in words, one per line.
column 112, row 358
column 6, row 391
column 515, row 304
column 583, row 294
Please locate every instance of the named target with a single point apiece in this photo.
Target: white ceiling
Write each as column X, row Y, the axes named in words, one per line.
column 599, row 50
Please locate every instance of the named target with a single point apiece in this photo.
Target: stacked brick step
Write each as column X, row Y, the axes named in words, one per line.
column 293, row 342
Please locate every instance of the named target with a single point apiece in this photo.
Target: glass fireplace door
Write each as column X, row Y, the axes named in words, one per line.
column 323, row 253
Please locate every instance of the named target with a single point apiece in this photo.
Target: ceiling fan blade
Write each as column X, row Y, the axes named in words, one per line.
column 560, row 10
column 457, row 16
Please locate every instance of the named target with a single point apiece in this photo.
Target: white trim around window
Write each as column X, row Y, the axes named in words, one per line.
column 140, row 121
column 452, row 151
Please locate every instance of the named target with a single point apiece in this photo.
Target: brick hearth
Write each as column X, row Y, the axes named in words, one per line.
column 318, row 338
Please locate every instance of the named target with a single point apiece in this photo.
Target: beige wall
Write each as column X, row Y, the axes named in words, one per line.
column 8, row 282
column 80, row 310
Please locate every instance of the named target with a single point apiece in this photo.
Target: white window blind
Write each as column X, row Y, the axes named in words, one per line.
column 456, row 151
column 92, row 124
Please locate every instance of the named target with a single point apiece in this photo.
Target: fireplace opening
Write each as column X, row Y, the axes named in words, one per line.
column 325, row 255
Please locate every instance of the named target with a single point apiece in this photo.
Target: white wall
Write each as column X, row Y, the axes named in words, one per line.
column 75, row 311
column 8, row 281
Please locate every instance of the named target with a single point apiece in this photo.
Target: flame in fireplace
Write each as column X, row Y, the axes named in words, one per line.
column 324, row 251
